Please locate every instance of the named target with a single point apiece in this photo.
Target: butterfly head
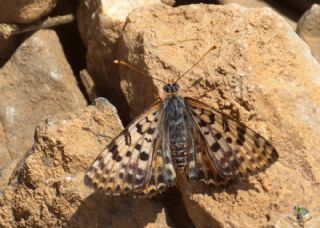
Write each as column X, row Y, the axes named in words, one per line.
column 171, row 88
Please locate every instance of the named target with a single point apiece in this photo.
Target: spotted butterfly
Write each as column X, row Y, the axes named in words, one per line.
column 178, row 136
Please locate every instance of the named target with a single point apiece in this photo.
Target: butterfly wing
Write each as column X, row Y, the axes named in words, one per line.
column 163, row 174
column 226, row 147
column 133, row 161
column 199, row 166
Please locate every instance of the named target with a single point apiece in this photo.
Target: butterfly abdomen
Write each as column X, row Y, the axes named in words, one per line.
column 179, row 154
column 175, row 120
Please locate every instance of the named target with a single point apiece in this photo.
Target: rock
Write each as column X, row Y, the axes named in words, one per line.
column 49, row 189
column 284, row 11
column 24, row 11
column 261, row 73
column 309, row 29
column 35, row 83
column 100, row 24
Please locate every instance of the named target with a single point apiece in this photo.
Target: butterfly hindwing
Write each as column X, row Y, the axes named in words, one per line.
column 232, row 149
column 163, row 175
column 125, row 165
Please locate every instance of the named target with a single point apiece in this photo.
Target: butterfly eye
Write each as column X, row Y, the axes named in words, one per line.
column 175, row 87
column 166, row 88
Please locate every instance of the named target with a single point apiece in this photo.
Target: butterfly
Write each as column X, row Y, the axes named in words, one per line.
column 178, row 136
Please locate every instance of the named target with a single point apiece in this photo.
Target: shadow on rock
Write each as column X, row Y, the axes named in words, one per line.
column 99, row 210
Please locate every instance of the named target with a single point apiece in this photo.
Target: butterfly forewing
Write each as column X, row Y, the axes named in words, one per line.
column 231, row 148
column 125, row 165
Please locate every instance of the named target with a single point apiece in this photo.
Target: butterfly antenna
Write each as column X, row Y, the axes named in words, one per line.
column 121, row 62
column 196, row 63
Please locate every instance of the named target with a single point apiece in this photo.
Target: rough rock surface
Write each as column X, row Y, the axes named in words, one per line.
column 24, row 11
column 48, row 190
column 261, row 73
column 308, row 29
column 285, row 11
column 35, row 83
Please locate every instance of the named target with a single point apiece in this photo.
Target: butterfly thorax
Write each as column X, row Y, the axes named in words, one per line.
column 176, row 129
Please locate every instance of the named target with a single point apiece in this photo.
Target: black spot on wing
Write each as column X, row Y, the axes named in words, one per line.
column 241, row 129
column 114, row 148
column 215, row 147
column 229, row 140
column 225, row 124
column 137, row 146
column 118, row 159
column 218, row 136
column 240, row 142
column 128, row 154
column 151, row 130
column 211, row 118
column 202, row 123
column 115, row 155
column 139, row 128
column 144, row 156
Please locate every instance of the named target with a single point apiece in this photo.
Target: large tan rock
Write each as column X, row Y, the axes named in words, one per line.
column 309, row 29
column 261, row 73
column 24, row 11
column 49, row 191
column 35, row 83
